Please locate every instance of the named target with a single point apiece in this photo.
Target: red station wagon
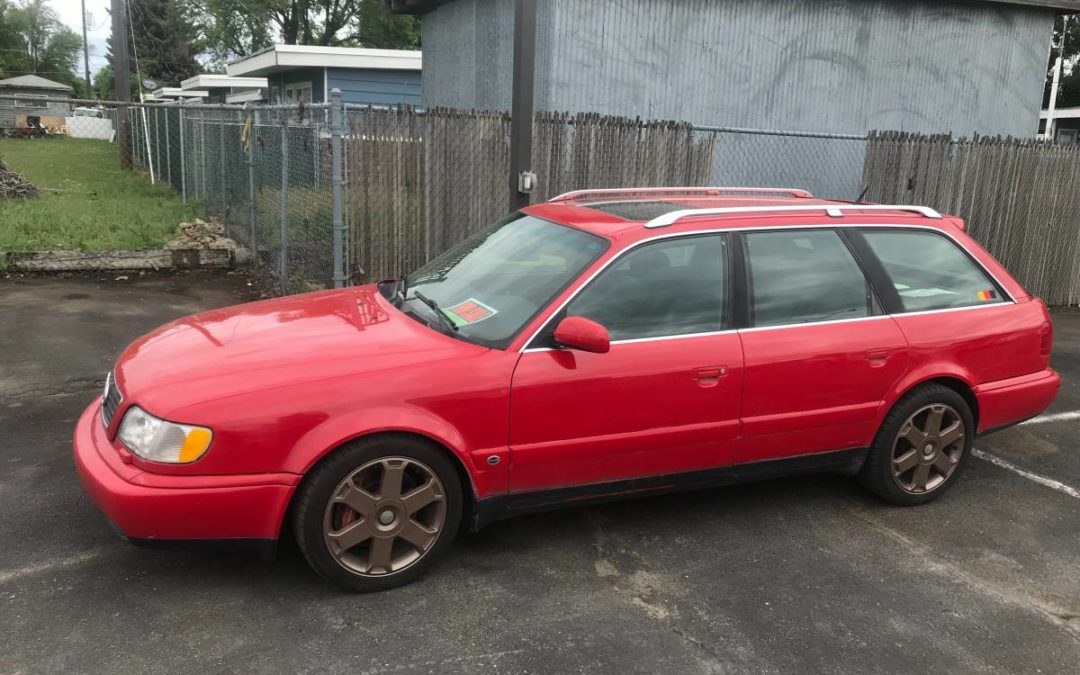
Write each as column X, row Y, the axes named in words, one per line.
column 607, row 343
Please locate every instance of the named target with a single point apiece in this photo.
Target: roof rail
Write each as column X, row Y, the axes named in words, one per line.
column 834, row 211
column 705, row 191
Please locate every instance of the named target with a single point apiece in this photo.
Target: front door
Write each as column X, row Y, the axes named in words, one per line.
column 664, row 400
column 820, row 354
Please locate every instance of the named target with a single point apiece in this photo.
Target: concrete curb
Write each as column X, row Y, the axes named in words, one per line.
column 162, row 259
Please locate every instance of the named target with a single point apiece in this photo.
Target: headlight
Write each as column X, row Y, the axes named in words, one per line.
column 160, row 441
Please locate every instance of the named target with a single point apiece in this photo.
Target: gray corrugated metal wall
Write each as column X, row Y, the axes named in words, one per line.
column 377, row 87
column 842, row 66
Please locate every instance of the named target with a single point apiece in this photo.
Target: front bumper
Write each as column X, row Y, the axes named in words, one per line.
column 155, row 508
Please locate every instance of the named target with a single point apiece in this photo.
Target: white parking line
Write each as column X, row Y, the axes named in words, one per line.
column 1056, row 417
column 48, row 566
column 1041, row 480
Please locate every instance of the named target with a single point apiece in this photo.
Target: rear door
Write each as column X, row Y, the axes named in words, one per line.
column 820, row 355
column 663, row 400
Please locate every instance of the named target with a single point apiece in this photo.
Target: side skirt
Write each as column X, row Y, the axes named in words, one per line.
column 500, row 507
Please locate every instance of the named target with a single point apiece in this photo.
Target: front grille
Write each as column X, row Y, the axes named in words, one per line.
column 112, row 400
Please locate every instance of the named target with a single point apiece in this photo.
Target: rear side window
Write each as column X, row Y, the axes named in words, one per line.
column 668, row 288
column 804, row 276
column 931, row 271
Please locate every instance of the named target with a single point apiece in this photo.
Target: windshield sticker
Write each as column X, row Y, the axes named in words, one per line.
column 986, row 296
column 469, row 312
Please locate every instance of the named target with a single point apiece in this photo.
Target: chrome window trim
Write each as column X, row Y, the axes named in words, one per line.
column 1008, row 299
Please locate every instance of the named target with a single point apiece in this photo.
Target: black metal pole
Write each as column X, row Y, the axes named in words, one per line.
column 121, row 79
column 521, row 113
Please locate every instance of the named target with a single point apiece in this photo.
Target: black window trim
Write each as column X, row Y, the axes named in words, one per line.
column 878, row 309
column 540, row 340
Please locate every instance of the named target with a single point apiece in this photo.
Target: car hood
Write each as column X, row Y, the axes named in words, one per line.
column 276, row 343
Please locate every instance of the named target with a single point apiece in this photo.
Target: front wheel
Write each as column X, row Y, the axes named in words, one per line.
column 921, row 447
column 377, row 512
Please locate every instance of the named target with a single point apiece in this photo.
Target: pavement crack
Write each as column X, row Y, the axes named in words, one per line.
column 625, row 570
column 70, row 387
column 1067, row 621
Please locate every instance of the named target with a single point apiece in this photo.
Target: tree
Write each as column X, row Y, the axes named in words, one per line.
column 235, row 28
column 33, row 41
column 1067, row 34
column 163, row 41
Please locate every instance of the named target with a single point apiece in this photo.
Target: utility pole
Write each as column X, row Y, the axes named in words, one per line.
column 86, row 53
column 121, row 79
column 522, row 179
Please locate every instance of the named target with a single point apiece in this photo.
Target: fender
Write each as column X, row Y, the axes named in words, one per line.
column 332, row 433
column 913, row 378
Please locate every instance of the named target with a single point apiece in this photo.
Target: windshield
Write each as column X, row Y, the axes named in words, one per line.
column 495, row 282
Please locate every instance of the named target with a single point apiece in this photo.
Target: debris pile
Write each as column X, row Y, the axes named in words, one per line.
column 200, row 234
column 13, row 185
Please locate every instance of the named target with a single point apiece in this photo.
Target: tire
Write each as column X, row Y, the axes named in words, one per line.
column 378, row 512
column 909, row 464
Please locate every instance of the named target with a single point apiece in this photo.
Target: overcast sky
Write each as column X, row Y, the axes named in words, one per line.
column 98, row 27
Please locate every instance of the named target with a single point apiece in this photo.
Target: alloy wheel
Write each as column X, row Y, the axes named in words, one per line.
column 928, row 448
column 384, row 516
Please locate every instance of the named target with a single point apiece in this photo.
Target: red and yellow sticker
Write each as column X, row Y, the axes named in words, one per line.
column 985, row 296
column 469, row 312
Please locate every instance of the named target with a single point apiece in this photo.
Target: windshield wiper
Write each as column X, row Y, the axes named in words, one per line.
column 443, row 319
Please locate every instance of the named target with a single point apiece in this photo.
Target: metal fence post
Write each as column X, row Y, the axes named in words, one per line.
column 252, row 135
column 283, row 271
column 221, row 156
column 157, row 138
column 337, row 114
column 168, row 149
column 183, row 166
column 202, row 154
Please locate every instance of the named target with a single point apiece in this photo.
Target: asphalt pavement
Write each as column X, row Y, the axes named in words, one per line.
column 807, row 574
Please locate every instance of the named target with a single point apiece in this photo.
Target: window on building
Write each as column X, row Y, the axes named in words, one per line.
column 930, row 271
column 804, row 276
column 298, row 92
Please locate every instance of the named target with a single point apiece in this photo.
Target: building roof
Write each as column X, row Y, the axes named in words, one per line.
column 177, row 92
column 424, row 6
column 33, row 82
column 286, row 57
column 218, row 81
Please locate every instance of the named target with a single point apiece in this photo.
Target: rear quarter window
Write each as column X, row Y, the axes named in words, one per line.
column 930, row 271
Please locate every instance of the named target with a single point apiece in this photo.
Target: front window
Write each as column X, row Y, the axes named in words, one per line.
column 491, row 285
column 663, row 289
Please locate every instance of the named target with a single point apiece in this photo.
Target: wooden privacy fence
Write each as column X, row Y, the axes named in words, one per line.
column 1019, row 197
column 418, row 183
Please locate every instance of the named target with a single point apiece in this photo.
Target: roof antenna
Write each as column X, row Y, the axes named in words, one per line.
column 862, row 194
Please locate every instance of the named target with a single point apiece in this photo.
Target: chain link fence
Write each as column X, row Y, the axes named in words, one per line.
column 411, row 183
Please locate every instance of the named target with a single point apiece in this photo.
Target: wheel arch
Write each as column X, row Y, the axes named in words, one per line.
column 468, row 483
column 954, row 381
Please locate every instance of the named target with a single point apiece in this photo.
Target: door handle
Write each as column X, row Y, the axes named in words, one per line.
column 877, row 357
column 710, row 377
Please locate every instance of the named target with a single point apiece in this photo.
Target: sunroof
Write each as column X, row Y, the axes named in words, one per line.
column 630, row 210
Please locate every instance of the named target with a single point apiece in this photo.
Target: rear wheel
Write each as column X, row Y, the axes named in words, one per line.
column 378, row 512
column 921, row 447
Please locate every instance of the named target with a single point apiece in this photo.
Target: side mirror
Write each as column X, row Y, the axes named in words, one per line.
column 577, row 332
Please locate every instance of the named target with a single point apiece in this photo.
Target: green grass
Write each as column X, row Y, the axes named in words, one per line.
column 96, row 205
